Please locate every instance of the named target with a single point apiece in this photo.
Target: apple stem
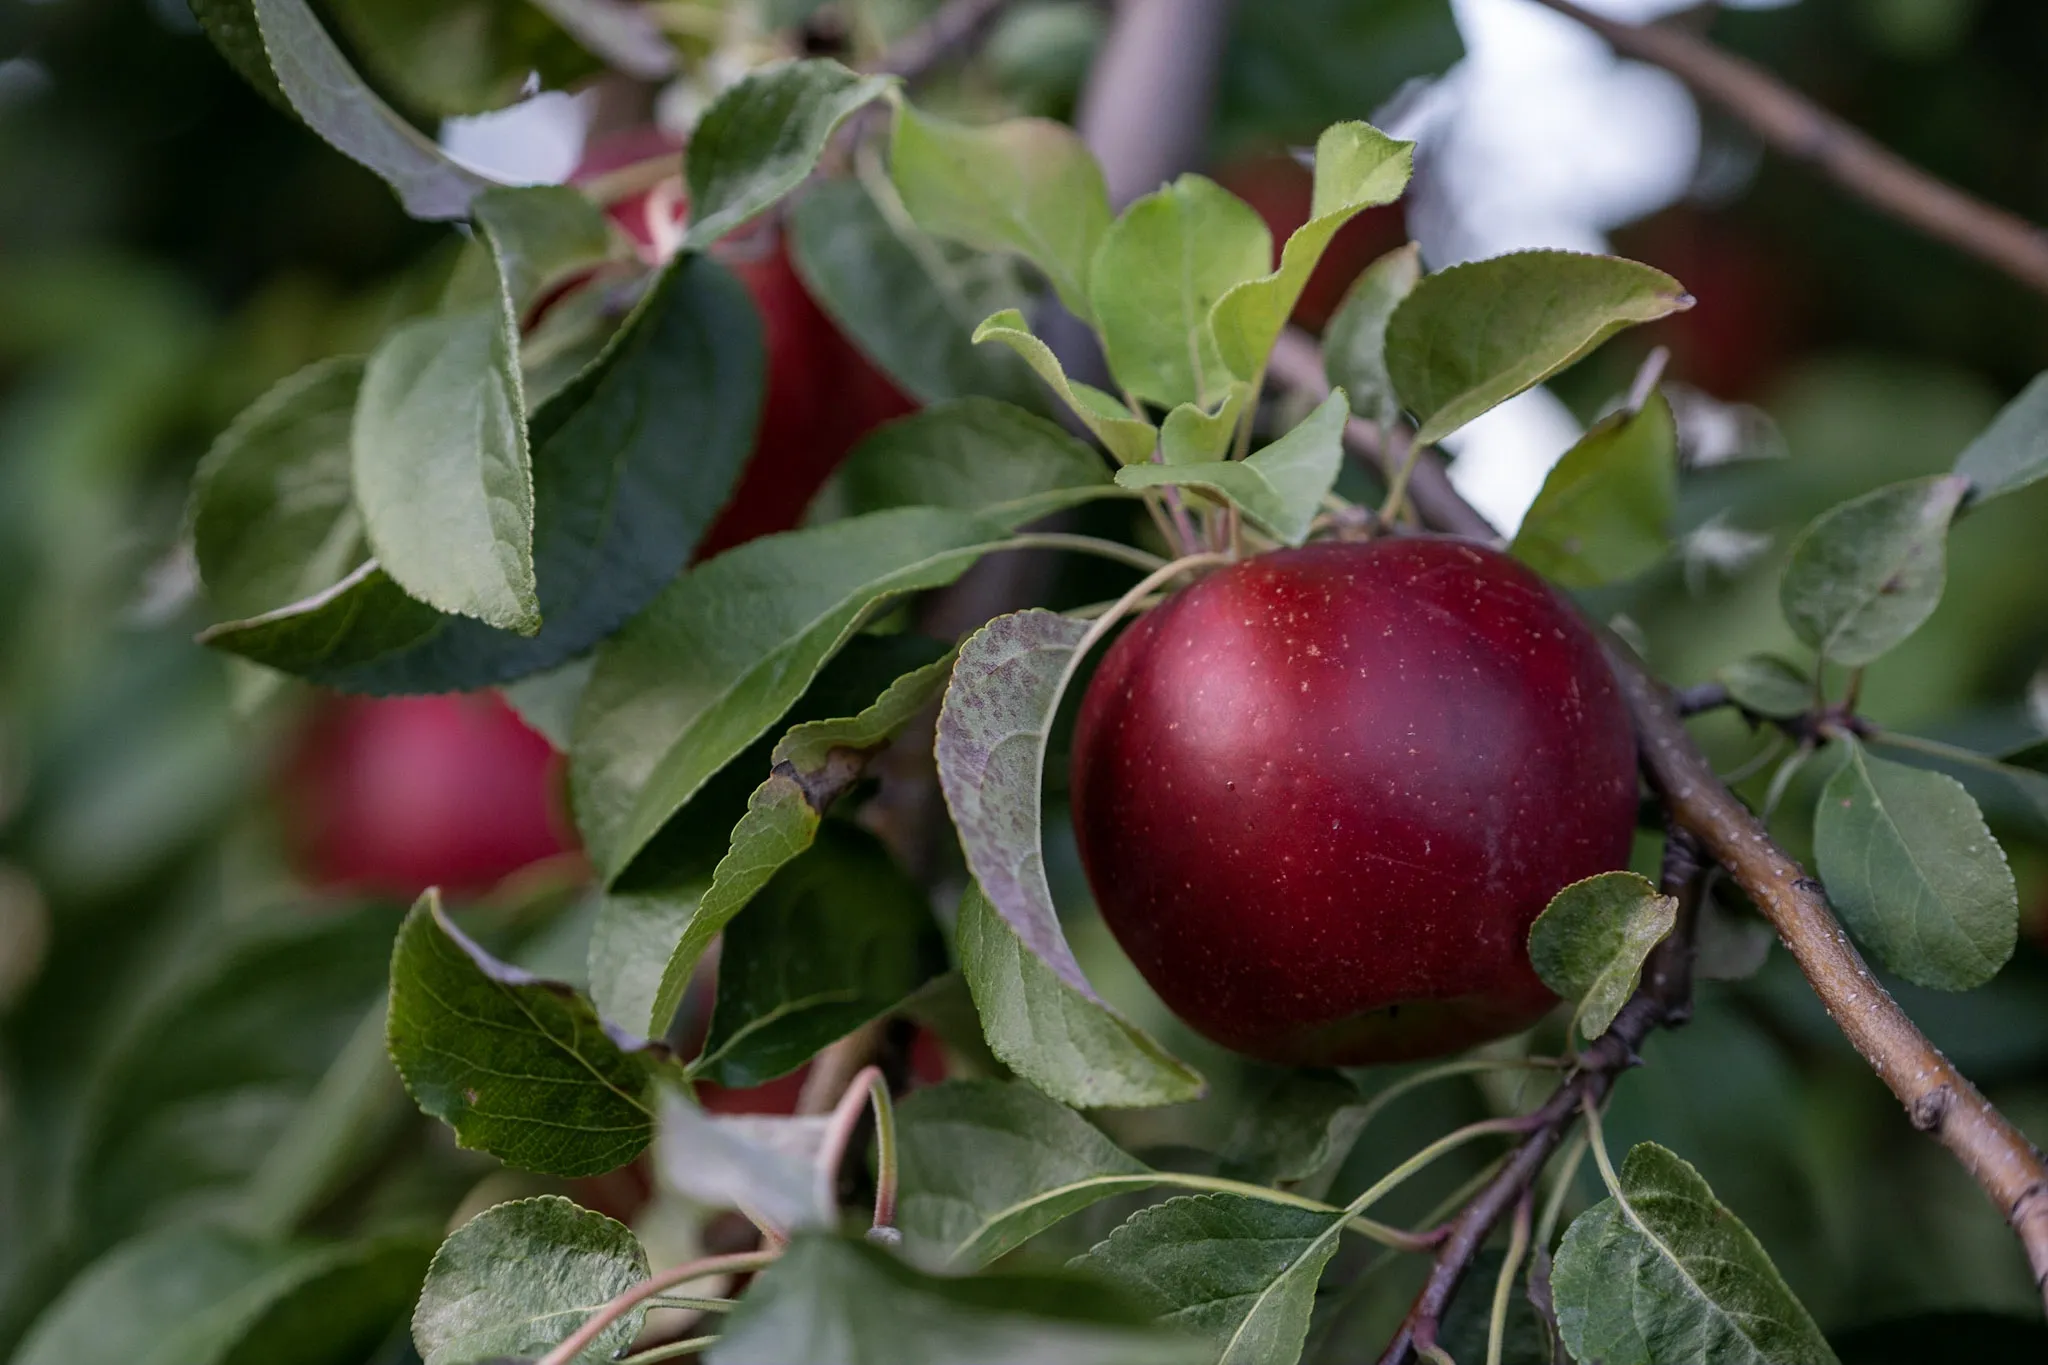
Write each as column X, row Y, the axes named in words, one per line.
column 593, row 1326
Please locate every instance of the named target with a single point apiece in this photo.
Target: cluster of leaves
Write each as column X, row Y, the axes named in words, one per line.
column 514, row 485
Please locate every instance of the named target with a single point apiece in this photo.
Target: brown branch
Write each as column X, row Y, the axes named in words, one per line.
column 1663, row 1000
column 1937, row 1097
column 1801, row 129
column 957, row 27
column 1297, row 364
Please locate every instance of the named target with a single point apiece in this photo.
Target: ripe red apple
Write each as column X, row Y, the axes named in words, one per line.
column 822, row 394
column 1283, row 191
column 391, row 795
column 1322, row 794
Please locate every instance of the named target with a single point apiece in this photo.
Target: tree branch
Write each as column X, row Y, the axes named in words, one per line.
column 1937, row 1098
column 957, row 27
column 1801, row 129
column 1664, row 999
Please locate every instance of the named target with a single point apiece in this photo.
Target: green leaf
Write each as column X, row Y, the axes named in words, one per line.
column 1355, row 342
column 194, row 1293
column 1129, row 438
column 1468, row 1321
column 991, row 742
column 336, row 104
column 540, row 237
column 1357, row 167
column 519, row 1067
column 1158, row 272
column 764, row 1165
column 632, row 461
column 838, row 936
column 518, row 1278
column 273, row 516
column 2013, row 451
column 442, row 472
column 1238, row 1272
column 1769, row 686
column 1281, row 487
column 1471, row 337
column 647, row 941
column 1295, row 1130
column 829, row 1301
column 762, row 138
column 1062, row 1040
column 988, row 1165
column 976, row 455
column 1027, row 186
column 909, row 301
column 1590, row 942
column 1865, row 574
column 1604, row 512
column 231, row 24
column 1908, row 860
column 1191, row 435
column 1671, row 1277
column 719, row 657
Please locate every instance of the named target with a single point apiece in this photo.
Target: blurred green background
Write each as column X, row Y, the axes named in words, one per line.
column 170, row 245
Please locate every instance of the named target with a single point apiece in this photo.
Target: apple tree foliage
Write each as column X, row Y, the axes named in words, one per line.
column 461, row 508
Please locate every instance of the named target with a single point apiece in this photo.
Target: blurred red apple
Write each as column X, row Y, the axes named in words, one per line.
column 1748, row 321
column 1283, row 191
column 822, row 394
column 391, row 795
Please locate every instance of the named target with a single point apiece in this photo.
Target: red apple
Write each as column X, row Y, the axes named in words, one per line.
column 1322, row 794
column 822, row 394
column 393, row 795
column 1283, row 191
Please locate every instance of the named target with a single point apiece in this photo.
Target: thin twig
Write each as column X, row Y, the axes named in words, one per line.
column 951, row 32
column 593, row 1326
column 1801, row 129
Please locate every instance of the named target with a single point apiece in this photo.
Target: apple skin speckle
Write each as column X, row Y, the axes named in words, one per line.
column 1321, row 795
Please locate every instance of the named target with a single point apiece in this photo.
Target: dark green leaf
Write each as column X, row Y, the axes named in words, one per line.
column 336, row 104
column 1768, row 686
column 626, row 35
column 837, row 937
column 764, row 1164
column 1292, row 67
column 1604, row 512
column 1864, row 575
column 648, row 940
column 231, row 24
column 1066, row 1043
column 1295, row 1130
column 518, row 1278
column 1915, row 873
column 1281, row 487
column 976, row 455
column 910, row 302
column 1468, row 1321
column 519, row 1067
column 199, row 1294
column 988, row 1165
column 1589, row 943
column 273, row 517
column 2013, row 450
column 442, row 471
column 1471, row 337
column 1159, row 270
column 632, row 461
column 1671, row 1277
column 1357, row 167
column 1027, row 186
column 724, row 653
column 1127, row 436
column 1238, row 1272
column 829, row 1301
column 763, row 136
column 1355, row 342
